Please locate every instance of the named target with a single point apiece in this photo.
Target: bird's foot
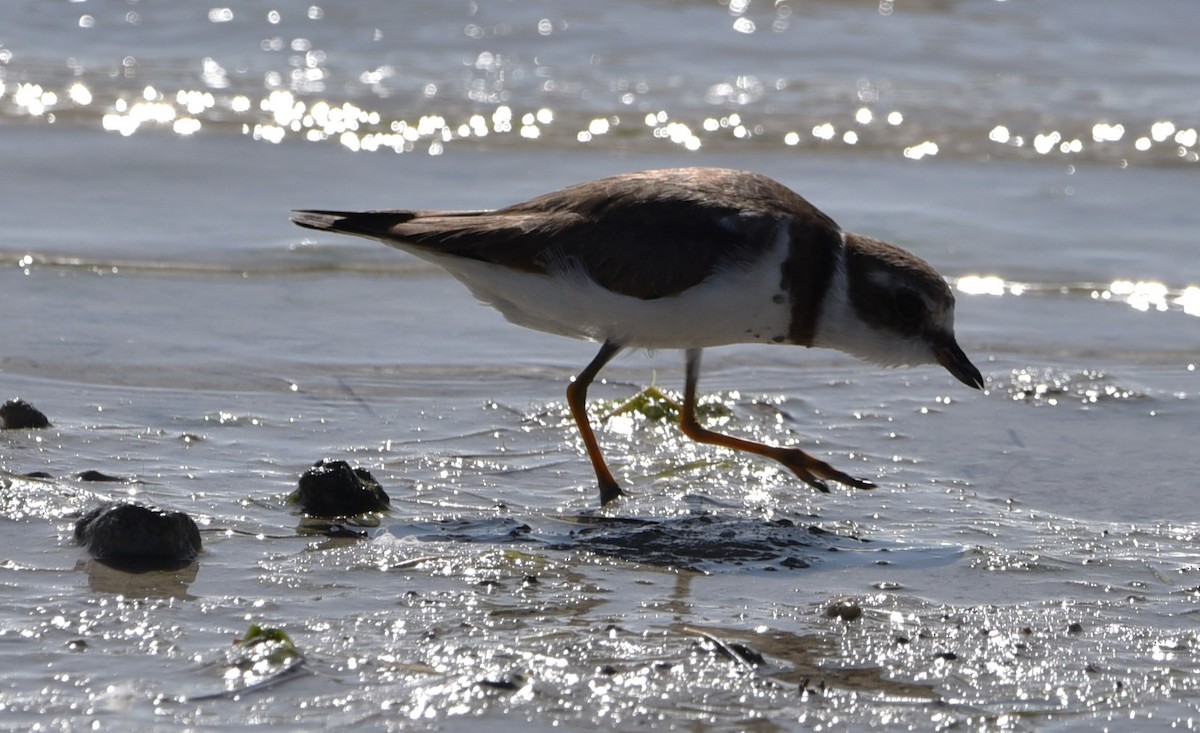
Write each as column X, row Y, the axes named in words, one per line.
column 815, row 472
column 609, row 492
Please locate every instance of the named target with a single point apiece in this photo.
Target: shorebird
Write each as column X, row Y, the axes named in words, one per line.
column 684, row 259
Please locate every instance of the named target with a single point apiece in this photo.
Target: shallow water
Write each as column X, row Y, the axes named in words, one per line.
column 1027, row 563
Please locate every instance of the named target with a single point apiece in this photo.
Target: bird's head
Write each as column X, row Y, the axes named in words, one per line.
column 888, row 306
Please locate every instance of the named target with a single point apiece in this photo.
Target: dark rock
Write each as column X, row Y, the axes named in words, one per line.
column 512, row 681
column 93, row 475
column 845, row 610
column 333, row 489
column 745, row 654
column 341, row 530
column 139, row 537
column 17, row 414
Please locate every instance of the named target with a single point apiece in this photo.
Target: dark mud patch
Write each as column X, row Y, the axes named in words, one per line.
column 704, row 542
column 708, row 542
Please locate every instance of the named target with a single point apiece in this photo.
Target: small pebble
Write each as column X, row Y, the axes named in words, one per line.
column 138, row 537
column 844, row 610
column 331, row 488
column 92, row 475
column 17, row 414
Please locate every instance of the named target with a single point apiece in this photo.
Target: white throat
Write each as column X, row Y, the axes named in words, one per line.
column 840, row 327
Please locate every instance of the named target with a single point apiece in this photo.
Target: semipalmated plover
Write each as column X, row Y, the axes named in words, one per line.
column 683, row 259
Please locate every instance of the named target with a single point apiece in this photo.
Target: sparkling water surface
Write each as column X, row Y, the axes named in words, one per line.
column 1028, row 561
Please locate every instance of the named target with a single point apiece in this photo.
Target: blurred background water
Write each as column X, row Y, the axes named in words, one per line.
column 1028, row 562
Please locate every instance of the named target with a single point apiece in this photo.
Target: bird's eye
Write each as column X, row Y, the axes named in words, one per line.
column 909, row 305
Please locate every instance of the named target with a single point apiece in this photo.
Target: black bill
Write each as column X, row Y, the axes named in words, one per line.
column 951, row 356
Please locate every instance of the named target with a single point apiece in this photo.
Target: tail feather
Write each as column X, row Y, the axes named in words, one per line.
column 376, row 224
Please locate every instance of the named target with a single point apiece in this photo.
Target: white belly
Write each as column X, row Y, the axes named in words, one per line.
column 739, row 305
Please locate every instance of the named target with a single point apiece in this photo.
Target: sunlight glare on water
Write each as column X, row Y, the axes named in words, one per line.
column 287, row 85
column 1140, row 295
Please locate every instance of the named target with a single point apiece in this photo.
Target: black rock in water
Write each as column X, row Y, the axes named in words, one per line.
column 333, row 489
column 94, row 475
column 139, row 537
column 17, row 414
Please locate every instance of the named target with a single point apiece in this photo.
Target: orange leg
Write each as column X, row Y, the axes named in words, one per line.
column 809, row 469
column 577, row 400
